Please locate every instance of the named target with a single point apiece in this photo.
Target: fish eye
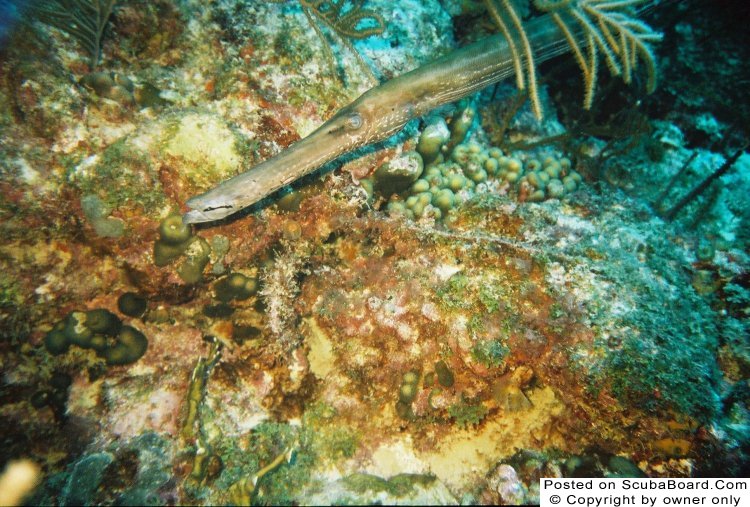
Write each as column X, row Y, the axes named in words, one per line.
column 353, row 122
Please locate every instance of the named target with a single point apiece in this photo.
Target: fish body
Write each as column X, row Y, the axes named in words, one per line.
column 375, row 116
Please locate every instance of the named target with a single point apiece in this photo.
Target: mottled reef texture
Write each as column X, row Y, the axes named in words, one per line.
column 453, row 342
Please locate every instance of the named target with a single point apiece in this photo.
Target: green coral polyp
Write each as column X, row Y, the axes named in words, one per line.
column 56, row 340
column 411, row 377
column 407, row 391
column 130, row 345
column 555, row 189
column 102, row 321
column 399, row 174
column 444, row 374
column 98, row 343
column 432, row 139
column 132, row 305
column 471, row 169
column 99, row 330
column 235, row 286
column 76, row 331
column 197, row 256
column 173, row 232
column 165, row 253
column 176, row 240
column 461, row 122
column 444, row 200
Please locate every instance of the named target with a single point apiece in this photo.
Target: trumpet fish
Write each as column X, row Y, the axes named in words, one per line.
column 384, row 110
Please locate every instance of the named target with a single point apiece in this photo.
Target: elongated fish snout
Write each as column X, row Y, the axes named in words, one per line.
column 201, row 212
column 195, row 217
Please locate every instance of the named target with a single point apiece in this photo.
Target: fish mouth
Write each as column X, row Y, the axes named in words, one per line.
column 202, row 211
column 197, row 216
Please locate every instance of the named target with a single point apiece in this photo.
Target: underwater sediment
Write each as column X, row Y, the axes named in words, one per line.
column 483, row 299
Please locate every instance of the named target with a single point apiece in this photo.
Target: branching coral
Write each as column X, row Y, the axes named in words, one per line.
column 82, row 19
column 609, row 27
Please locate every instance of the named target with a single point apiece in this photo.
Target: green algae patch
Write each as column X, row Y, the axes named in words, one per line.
column 329, row 437
column 285, row 483
column 397, row 486
column 276, row 465
column 84, row 478
column 453, row 293
column 362, row 483
column 677, row 374
column 490, row 353
column 122, row 176
column 466, row 414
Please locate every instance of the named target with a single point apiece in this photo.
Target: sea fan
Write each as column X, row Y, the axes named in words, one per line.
column 82, row 19
column 348, row 19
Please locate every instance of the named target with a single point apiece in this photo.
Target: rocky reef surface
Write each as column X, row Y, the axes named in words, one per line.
column 480, row 301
